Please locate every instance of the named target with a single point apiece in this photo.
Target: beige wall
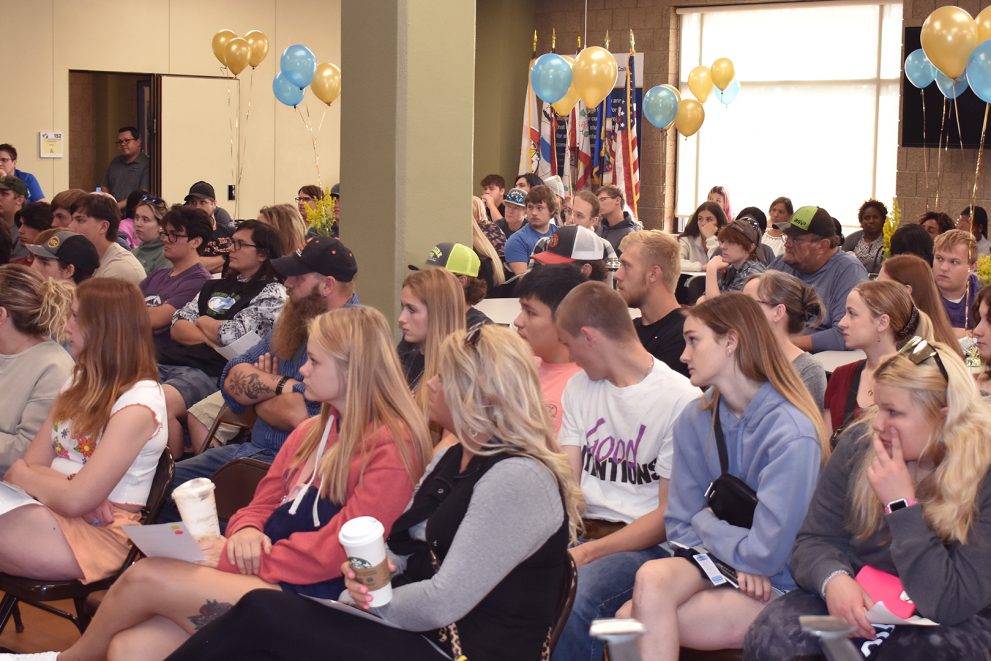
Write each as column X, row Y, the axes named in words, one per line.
column 50, row 37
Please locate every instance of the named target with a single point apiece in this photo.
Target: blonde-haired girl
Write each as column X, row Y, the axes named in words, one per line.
column 360, row 457
column 907, row 491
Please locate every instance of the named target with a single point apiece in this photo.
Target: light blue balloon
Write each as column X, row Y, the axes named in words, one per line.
column 551, row 77
column 660, row 105
column 950, row 88
column 728, row 95
column 299, row 65
column 286, row 92
column 919, row 70
column 979, row 71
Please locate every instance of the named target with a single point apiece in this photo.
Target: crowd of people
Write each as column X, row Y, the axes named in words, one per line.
column 693, row 460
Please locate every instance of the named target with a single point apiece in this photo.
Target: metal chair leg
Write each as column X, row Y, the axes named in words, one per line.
column 18, row 623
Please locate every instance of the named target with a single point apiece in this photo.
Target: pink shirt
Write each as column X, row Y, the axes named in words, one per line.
column 553, row 378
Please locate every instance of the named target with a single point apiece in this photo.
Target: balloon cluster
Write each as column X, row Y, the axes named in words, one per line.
column 955, row 53
column 235, row 53
column 299, row 69
column 663, row 105
column 561, row 80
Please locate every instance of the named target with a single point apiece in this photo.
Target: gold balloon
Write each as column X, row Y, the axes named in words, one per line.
column 700, row 83
column 326, row 83
column 677, row 92
column 690, row 116
column 984, row 25
column 219, row 44
column 948, row 37
column 258, row 43
column 566, row 104
column 238, row 52
column 595, row 73
column 722, row 73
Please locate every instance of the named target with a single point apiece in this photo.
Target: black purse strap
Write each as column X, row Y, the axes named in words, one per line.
column 717, row 428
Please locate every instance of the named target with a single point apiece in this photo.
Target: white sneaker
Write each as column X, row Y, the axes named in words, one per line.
column 37, row 656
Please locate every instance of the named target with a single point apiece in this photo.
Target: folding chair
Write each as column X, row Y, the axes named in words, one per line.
column 38, row 591
column 227, row 417
column 235, row 484
column 568, row 588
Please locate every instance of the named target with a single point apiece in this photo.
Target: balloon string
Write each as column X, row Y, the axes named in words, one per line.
column 980, row 152
column 244, row 139
column 322, row 117
column 313, row 140
column 230, row 123
column 925, row 149
column 939, row 152
column 956, row 115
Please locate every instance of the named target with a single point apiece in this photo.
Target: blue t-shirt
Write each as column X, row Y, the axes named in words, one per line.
column 34, row 188
column 521, row 243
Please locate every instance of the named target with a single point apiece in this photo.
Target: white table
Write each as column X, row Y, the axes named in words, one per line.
column 504, row 310
column 830, row 360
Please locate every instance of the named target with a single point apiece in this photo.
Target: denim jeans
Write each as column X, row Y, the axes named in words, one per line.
column 603, row 586
column 205, row 465
column 192, row 383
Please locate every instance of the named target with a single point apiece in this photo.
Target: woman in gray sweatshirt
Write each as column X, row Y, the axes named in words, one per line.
column 907, row 492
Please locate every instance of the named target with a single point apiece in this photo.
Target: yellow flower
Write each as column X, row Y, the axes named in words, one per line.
column 321, row 217
column 891, row 223
column 984, row 270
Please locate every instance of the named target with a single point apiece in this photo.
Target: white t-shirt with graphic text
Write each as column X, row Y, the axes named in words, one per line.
column 626, row 439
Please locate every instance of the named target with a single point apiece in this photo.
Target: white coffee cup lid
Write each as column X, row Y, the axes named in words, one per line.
column 361, row 530
column 197, row 484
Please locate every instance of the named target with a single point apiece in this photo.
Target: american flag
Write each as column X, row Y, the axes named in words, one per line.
column 628, row 163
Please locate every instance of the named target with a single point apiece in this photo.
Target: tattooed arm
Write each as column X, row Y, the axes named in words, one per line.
column 249, row 385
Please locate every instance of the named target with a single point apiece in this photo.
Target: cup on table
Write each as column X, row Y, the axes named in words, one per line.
column 198, row 507
column 363, row 539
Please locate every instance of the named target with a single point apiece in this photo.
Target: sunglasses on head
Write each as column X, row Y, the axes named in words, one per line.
column 157, row 201
column 473, row 334
column 918, row 350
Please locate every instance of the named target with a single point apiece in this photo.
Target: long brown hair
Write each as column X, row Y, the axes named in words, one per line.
column 441, row 292
column 360, row 342
column 288, row 223
column 892, row 299
column 912, row 271
column 118, row 351
column 759, row 357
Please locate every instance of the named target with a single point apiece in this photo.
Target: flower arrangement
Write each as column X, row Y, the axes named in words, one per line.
column 984, row 270
column 891, row 223
column 320, row 218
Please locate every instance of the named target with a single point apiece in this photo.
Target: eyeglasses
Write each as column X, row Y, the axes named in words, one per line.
column 304, row 198
column 157, row 201
column 239, row 244
column 795, row 240
column 919, row 351
column 172, row 236
column 125, row 142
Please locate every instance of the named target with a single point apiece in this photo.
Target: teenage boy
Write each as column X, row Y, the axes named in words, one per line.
column 514, row 210
column 540, row 208
column 615, row 221
column 954, row 262
column 13, row 197
column 203, row 197
column 617, row 431
column 493, row 191
column 97, row 217
column 65, row 255
column 540, row 293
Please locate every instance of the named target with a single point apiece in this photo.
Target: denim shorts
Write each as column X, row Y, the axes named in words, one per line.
column 192, row 383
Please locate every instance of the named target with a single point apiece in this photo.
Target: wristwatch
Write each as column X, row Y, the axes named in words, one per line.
column 899, row 504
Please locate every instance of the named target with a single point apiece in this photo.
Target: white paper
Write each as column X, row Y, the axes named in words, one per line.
column 879, row 614
column 165, row 540
column 239, row 346
column 12, row 497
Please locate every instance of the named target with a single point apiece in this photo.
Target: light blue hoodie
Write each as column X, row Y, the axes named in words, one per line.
column 773, row 448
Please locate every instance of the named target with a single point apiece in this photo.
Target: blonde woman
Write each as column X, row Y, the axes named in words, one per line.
column 92, row 462
column 149, row 215
column 433, row 307
column 479, row 554
column 33, row 366
column 361, row 456
column 907, row 492
column 775, row 438
column 288, row 223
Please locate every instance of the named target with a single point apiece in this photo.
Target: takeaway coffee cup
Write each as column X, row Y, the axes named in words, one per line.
column 364, row 543
column 197, row 507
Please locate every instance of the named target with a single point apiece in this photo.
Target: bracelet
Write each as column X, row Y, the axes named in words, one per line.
column 281, row 384
column 822, row 588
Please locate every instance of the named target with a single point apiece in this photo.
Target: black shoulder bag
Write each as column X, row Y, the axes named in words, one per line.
column 730, row 498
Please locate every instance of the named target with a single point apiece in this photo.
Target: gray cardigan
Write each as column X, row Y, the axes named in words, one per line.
column 948, row 583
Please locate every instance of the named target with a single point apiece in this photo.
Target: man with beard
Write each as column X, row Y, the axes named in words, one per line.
column 318, row 278
column 649, row 267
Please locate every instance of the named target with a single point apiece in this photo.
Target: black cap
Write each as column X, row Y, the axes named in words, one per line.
column 810, row 220
column 69, row 247
column 335, row 190
column 322, row 254
column 201, row 190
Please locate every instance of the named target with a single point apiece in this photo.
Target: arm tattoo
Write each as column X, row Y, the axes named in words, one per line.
column 209, row 612
column 251, row 386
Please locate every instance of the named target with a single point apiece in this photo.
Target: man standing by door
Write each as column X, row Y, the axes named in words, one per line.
column 130, row 170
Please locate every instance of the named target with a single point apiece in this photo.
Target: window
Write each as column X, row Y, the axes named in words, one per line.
column 817, row 116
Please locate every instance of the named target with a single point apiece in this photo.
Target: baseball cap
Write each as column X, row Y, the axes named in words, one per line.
column 810, row 220
column 14, row 184
column 555, row 184
column 570, row 243
column 515, row 196
column 69, row 247
column 335, row 190
column 201, row 190
column 457, row 258
column 322, row 254
column 748, row 227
